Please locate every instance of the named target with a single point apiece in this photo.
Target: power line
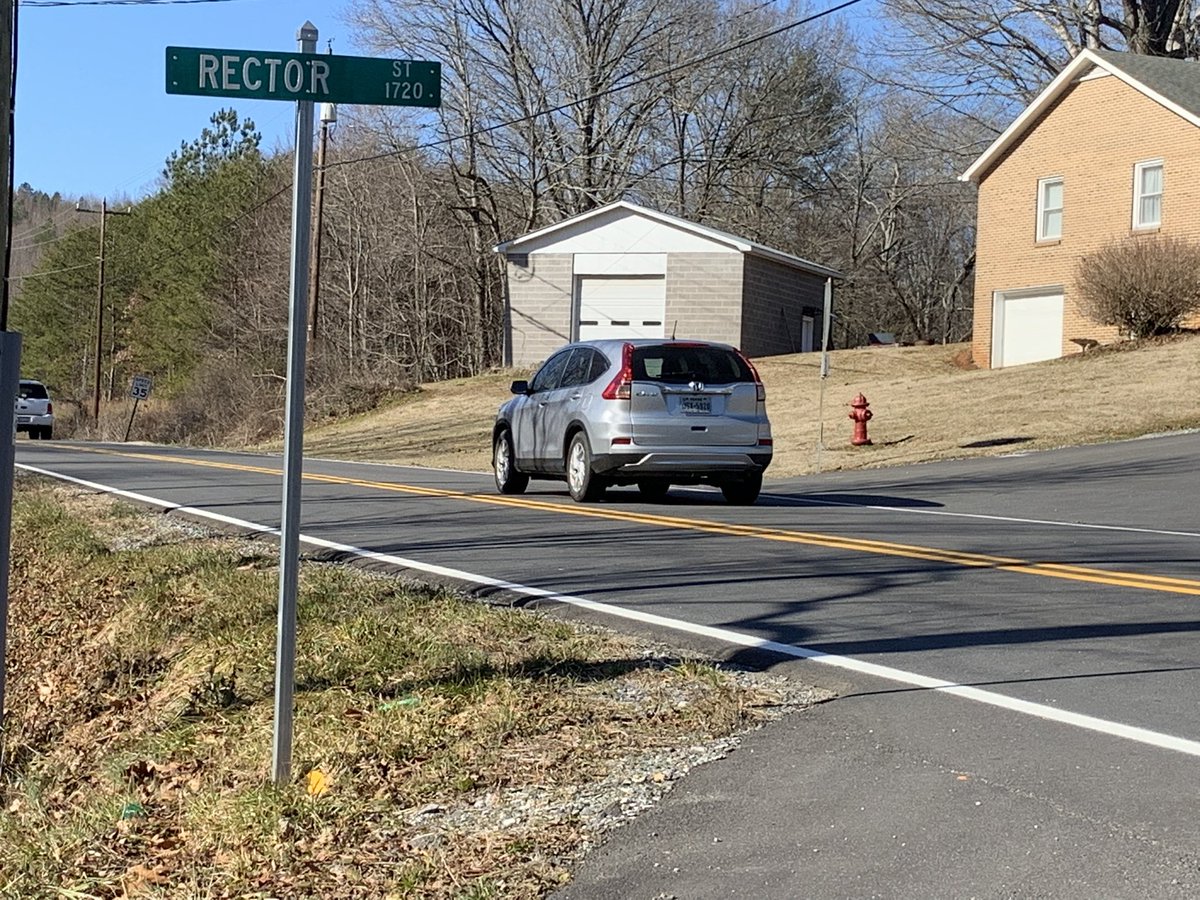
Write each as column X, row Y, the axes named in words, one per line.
column 562, row 107
column 51, row 272
column 116, row 2
column 699, row 60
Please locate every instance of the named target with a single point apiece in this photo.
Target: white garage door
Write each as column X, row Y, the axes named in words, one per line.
column 622, row 306
column 1027, row 328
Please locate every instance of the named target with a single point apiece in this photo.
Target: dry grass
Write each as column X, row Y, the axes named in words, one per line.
column 925, row 408
column 444, row 748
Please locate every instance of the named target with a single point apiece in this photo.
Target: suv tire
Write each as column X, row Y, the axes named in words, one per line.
column 744, row 492
column 584, row 484
column 504, row 465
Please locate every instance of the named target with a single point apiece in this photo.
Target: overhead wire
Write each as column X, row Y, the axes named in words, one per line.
column 62, row 3
column 661, row 73
column 653, row 76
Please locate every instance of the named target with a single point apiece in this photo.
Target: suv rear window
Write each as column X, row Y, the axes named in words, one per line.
column 32, row 390
column 680, row 364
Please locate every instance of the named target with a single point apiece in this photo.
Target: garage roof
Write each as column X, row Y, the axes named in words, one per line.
column 527, row 241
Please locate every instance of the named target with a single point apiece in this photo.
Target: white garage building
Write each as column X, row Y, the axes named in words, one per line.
column 627, row 271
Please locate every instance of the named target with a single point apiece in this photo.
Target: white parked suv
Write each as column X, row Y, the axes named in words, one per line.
column 35, row 411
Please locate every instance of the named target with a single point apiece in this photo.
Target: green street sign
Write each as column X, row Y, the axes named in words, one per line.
column 320, row 77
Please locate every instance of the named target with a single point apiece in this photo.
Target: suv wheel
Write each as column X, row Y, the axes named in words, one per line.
column 508, row 479
column 584, row 484
column 744, row 492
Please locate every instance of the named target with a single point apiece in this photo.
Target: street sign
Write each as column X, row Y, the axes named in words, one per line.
column 319, row 77
column 139, row 388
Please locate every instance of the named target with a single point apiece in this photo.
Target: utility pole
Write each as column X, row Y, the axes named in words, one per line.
column 10, row 342
column 328, row 117
column 104, row 212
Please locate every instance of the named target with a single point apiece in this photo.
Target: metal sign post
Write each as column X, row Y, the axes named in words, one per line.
column 826, row 321
column 304, row 77
column 293, row 429
column 139, row 390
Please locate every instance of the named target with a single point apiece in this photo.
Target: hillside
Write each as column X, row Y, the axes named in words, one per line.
column 925, row 408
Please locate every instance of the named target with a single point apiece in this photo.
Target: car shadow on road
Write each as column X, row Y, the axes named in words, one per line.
column 699, row 496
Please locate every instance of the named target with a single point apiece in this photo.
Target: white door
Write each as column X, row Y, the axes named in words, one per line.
column 806, row 334
column 1026, row 328
column 622, row 306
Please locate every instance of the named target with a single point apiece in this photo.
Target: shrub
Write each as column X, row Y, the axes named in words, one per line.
column 1144, row 285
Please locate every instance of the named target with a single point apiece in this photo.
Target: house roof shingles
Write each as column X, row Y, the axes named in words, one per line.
column 1178, row 80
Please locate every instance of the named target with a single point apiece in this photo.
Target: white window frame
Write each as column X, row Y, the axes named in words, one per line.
column 1138, row 169
column 1043, row 184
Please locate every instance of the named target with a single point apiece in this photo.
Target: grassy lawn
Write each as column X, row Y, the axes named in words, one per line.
column 443, row 747
column 925, row 407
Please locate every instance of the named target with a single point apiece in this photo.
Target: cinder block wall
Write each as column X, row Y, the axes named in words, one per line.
column 540, row 300
column 1092, row 137
column 704, row 296
column 775, row 298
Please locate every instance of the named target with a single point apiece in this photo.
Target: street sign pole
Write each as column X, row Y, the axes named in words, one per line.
column 826, row 322
column 304, row 78
column 293, row 448
column 139, row 390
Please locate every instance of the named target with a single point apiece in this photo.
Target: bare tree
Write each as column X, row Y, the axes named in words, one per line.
column 963, row 52
column 902, row 225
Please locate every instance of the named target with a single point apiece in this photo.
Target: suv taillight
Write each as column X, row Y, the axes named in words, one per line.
column 49, row 407
column 759, row 386
column 620, row 387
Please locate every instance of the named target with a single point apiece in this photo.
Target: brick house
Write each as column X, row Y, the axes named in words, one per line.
column 1109, row 150
column 627, row 271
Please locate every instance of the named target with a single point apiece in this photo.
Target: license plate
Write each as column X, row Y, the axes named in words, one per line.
column 24, row 420
column 695, row 406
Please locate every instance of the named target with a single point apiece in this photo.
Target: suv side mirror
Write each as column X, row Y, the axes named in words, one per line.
column 520, row 387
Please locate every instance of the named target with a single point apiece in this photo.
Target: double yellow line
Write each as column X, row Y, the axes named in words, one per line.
column 833, row 542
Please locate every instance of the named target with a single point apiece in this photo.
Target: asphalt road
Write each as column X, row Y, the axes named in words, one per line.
column 1013, row 641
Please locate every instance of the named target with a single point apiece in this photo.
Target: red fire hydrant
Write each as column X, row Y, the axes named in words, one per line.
column 861, row 415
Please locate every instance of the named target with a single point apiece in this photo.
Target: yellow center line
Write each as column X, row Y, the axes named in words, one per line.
column 833, row 542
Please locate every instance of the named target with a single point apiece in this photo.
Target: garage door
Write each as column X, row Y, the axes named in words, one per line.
column 622, row 307
column 1027, row 328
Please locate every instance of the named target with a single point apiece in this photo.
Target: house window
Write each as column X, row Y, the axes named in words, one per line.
column 1050, row 209
column 1147, row 194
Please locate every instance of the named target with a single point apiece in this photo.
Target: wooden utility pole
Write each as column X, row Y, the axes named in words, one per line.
column 328, row 115
column 104, row 212
column 10, row 343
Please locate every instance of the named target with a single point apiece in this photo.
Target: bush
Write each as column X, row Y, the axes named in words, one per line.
column 1144, row 285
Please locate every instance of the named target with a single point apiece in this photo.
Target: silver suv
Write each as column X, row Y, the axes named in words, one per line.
column 35, row 410
column 646, row 412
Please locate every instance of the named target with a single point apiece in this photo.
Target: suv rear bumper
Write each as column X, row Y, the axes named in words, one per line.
column 24, row 422
column 684, row 463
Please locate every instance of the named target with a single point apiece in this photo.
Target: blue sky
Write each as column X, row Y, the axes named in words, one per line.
column 93, row 117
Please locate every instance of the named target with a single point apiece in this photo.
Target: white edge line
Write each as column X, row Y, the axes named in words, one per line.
column 990, row 698
column 961, row 515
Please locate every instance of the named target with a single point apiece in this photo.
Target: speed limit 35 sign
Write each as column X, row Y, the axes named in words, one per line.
column 139, row 388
